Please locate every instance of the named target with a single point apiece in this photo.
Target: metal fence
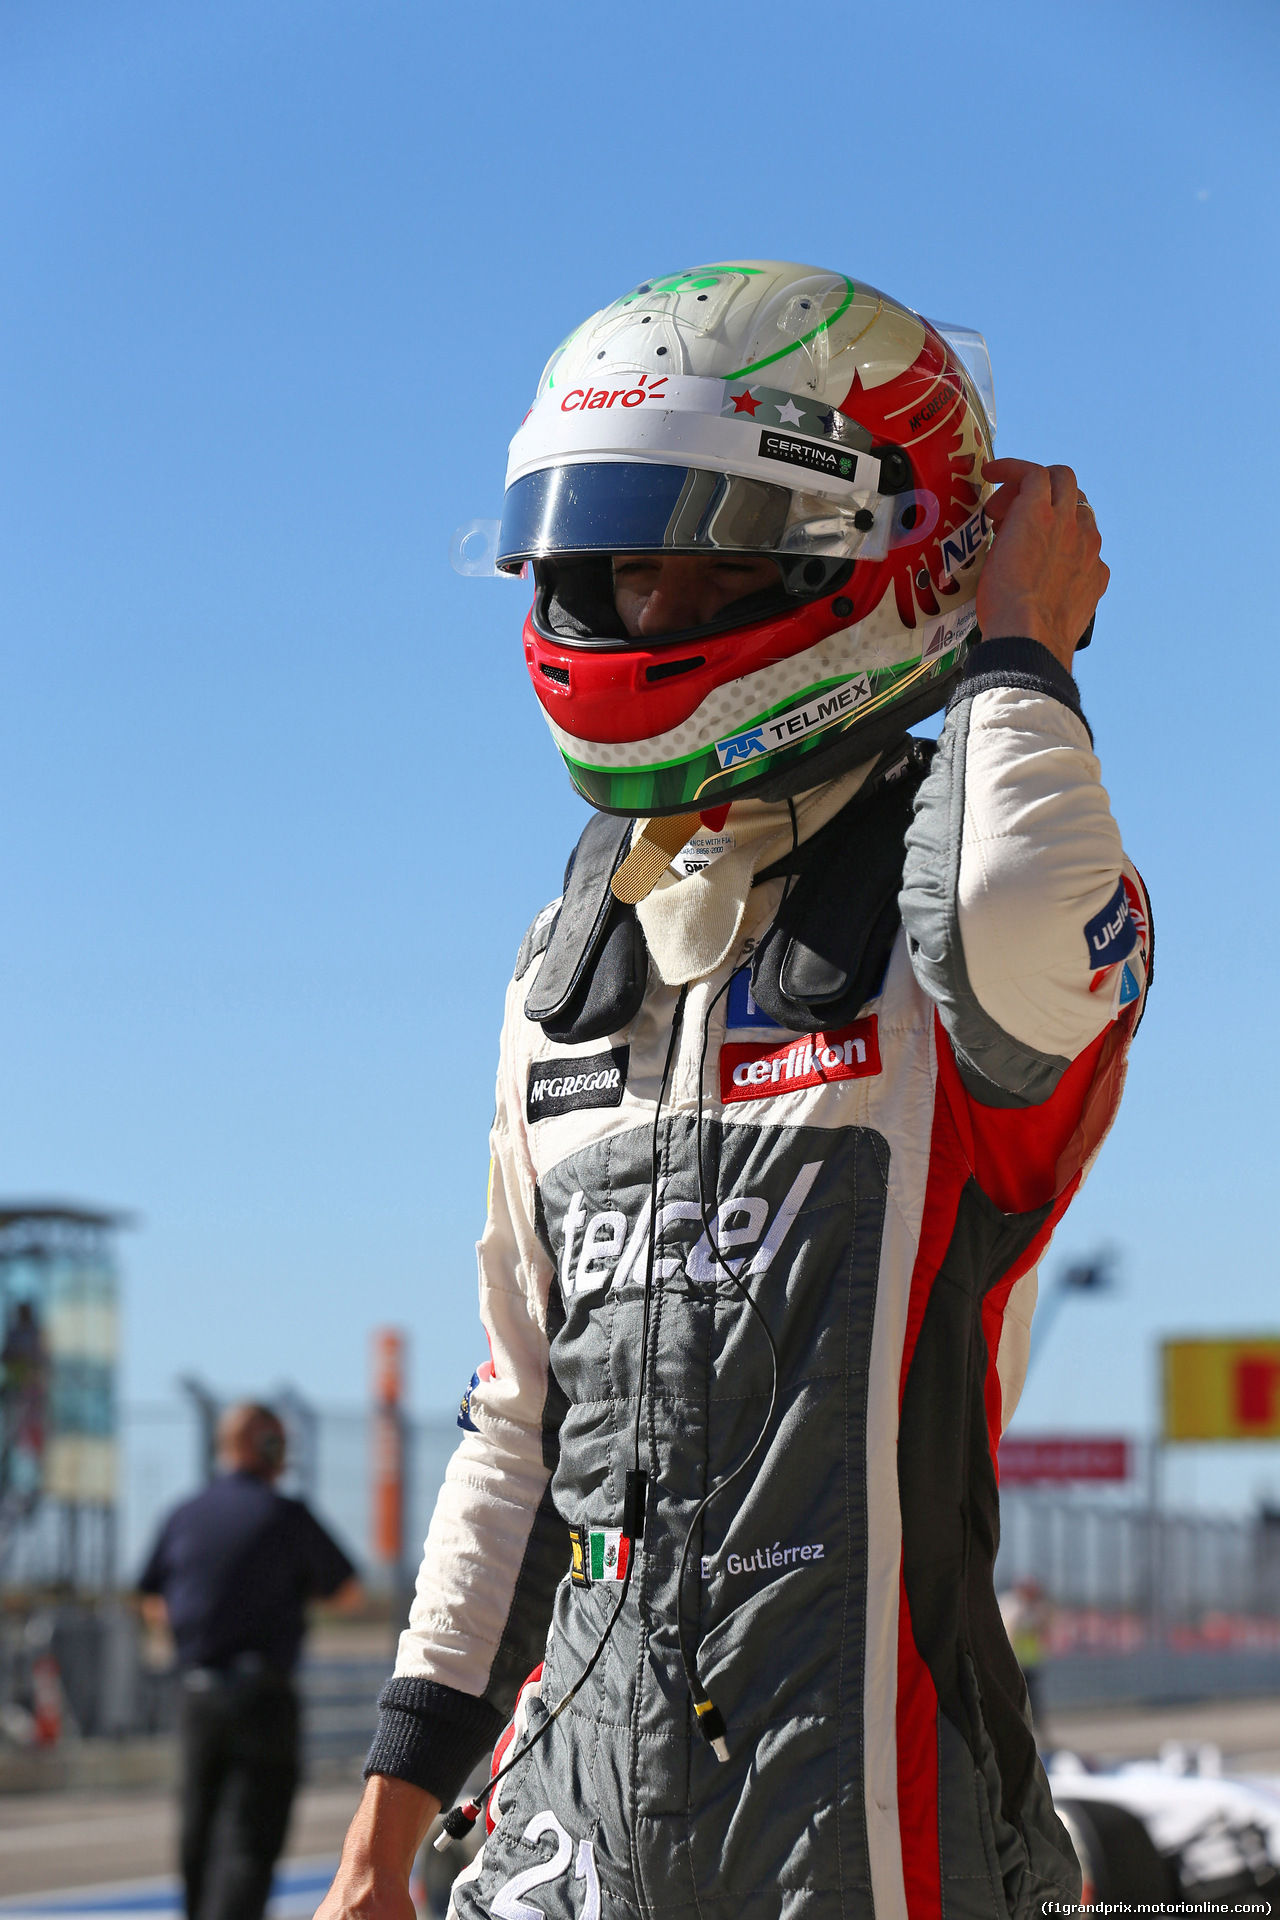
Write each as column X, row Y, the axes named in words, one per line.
column 161, row 1461
column 1172, row 1569
column 1102, row 1554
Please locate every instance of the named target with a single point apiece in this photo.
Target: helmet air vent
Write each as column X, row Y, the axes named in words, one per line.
column 559, row 675
column 668, row 669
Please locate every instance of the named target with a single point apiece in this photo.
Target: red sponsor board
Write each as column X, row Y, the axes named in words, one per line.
column 1037, row 1460
column 750, row 1071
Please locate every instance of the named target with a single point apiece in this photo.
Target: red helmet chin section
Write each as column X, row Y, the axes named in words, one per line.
column 637, row 691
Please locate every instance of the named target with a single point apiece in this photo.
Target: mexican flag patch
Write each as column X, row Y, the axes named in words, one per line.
column 609, row 1549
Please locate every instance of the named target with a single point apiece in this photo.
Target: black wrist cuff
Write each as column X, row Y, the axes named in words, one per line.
column 1019, row 662
column 431, row 1735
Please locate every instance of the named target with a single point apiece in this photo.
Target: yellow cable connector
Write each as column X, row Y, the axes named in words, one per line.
column 712, row 1727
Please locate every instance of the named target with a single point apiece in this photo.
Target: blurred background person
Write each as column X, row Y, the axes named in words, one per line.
column 1027, row 1618
column 231, row 1574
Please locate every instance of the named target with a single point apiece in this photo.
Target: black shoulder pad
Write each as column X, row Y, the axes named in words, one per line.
column 535, row 940
column 595, row 968
column 825, row 954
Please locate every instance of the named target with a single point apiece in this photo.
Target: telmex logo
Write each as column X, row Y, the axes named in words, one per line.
column 591, row 397
column 607, row 1250
column 786, row 728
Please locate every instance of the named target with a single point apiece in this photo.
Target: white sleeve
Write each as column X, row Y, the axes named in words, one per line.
column 496, row 1549
column 1026, row 923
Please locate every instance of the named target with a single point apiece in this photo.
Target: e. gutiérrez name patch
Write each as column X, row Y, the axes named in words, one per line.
column 1111, row 934
column 574, row 1081
column 749, row 1071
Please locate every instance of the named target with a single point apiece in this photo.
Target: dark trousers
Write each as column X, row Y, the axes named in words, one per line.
column 239, row 1772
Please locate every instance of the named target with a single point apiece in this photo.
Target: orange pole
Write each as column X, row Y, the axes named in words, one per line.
column 388, row 1446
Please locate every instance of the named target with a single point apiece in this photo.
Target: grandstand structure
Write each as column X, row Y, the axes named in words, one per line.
column 59, row 1344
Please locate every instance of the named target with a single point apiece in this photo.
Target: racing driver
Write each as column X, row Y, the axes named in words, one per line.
column 796, row 1080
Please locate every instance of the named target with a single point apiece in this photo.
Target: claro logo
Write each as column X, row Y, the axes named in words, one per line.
column 601, row 1247
column 582, row 399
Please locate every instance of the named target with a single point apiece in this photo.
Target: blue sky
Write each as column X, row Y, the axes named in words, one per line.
column 278, row 802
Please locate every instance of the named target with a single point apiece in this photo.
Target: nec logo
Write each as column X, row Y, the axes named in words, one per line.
column 963, row 544
column 751, row 1072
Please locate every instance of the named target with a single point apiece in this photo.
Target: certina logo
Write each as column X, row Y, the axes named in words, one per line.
column 635, row 395
column 809, row 453
column 837, row 703
column 1111, row 934
column 752, row 1072
column 962, row 546
column 764, row 1559
column 607, row 1247
column 568, row 1085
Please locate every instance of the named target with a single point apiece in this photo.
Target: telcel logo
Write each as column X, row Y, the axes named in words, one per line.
column 745, row 1234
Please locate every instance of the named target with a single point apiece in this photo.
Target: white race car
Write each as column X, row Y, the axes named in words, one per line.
column 1171, row 1829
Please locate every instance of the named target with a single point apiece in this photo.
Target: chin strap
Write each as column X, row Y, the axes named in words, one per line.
column 650, row 856
column 653, row 851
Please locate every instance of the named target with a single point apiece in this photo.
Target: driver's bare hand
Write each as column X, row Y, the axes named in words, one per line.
column 1043, row 578
column 372, row 1881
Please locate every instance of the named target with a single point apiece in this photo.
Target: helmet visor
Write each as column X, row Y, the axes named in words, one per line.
column 619, row 506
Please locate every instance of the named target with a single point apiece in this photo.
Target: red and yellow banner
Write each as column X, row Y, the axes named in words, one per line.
column 1222, row 1389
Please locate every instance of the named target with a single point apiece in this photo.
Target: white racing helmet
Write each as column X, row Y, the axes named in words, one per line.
column 766, row 409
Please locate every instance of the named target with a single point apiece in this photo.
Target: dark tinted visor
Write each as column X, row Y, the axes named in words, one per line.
column 620, row 507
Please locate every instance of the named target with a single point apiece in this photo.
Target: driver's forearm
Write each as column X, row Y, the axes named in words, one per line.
column 390, row 1825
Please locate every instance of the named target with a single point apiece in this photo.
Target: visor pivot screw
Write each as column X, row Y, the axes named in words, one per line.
column 842, row 608
column 864, row 519
column 895, row 469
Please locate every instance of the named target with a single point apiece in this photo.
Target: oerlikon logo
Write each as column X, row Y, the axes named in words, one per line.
column 749, row 1072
